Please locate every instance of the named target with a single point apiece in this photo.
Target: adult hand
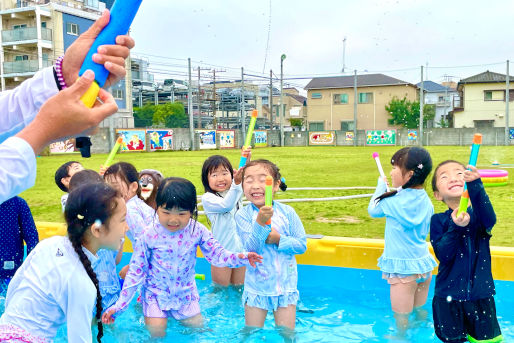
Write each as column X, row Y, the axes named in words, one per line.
column 65, row 115
column 111, row 56
column 462, row 220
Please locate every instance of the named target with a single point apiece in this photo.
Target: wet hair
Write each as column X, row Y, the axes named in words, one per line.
column 84, row 176
column 86, row 205
column 411, row 159
column 126, row 172
column 272, row 169
column 62, row 172
column 434, row 177
column 211, row 164
column 176, row 192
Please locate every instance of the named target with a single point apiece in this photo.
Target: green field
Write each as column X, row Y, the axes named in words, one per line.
column 302, row 167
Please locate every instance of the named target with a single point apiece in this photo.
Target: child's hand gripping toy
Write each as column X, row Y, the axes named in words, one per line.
column 380, row 169
column 477, row 140
column 248, row 141
column 268, row 195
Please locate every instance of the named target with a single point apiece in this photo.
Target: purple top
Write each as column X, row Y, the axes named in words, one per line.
column 164, row 262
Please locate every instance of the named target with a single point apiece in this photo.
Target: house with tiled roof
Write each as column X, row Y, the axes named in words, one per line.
column 483, row 101
column 441, row 97
column 330, row 101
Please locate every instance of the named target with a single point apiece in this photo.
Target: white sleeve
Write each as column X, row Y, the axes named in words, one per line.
column 78, row 305
column 17, row 167
column 20, row 105
column 216, row 204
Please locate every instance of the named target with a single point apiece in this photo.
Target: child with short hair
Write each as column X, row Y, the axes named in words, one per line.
column 164, row 260
column 16, row 226
column 406, row 263
column 56, row 284
column 463, row 305
column 222, row 199
column 272, row 285
column 63, row 176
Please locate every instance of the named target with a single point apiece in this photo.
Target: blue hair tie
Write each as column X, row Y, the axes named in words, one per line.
column 283, row 179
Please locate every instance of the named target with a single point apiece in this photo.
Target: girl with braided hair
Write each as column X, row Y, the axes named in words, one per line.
column 406, row 263
column 56, row 284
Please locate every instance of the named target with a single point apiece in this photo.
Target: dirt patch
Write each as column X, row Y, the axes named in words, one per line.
column 343, row 219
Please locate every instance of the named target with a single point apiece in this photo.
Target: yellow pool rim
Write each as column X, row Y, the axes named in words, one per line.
column 360, row 253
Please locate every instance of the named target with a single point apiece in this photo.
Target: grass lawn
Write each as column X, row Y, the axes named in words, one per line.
column 302, row 167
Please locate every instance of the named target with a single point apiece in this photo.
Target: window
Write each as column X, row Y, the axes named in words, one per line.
column 43, row 24
column 92, row 3
column 17, row 27
column 21, row 58
column 316, row 126
column 347, row 125
column 481, row 124
column 72, row 29
column 117, row 93
column 365, row 98
column 340, row 99
column 496, row 95
column 316, row 96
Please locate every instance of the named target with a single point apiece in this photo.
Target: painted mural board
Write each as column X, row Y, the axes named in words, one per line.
column 322, row 138
column 63, row 147
column 511, row 133
column 207, row 139
column 261, row 138
column 227, row 138
column 133, row 139
column 161, row 139
column 381, row 137
column 412, row 135
column 349, row 135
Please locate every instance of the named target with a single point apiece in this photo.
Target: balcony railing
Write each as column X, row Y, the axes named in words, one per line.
column 25, row 33
column 20, row 67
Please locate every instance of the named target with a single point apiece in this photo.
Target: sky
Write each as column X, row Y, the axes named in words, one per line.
column 393, row 37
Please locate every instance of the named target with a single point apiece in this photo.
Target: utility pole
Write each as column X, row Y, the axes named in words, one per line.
column 507, row 99
column 421, row 102
column 271, row 98
column 172, row 91
column 282, row 112
column 355, row 107
column 243, row 105
column 215, row 122
column 344, row 55
column 190, row 106
column 199, row 95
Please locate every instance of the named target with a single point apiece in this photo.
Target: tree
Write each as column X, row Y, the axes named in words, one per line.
column 143, row 116
column 296, row 122
column 406, row 113
column 170, row 115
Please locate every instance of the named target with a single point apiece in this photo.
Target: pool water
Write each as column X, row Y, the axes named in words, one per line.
column 337, row 305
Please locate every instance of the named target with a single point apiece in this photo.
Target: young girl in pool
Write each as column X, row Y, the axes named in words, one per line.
column 164, row 260
column 406, row 263
column 222, row 198
column 272, row 285
column 56, row 284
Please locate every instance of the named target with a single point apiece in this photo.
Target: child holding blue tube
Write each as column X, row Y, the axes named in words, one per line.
column 272, row 285
column 463, row 305
column 222, row 199
column 406, row 263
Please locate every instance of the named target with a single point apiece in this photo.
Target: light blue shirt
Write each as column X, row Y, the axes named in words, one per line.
column 139, row 216
column 18, row 108
column 52, row 288
column 108, row 279
column 408, row 215
column 220, row 211
column 277, row 274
